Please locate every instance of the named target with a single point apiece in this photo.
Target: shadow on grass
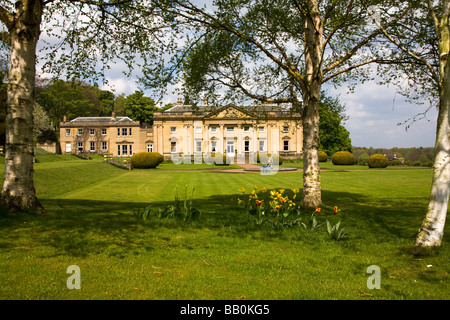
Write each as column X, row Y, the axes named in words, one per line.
column 84, row 227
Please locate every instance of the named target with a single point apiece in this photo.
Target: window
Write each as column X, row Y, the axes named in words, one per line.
column 173, row 147
column 230, row 129
column 149, row 148
column 67, row 132
column 68, row 147
column 104, row 132
column 261, row 146
column 124, row 131
column 104, row 146
column 286, row 145
column 199, row 146
column 173, row 129
column 118, row 132
column 124, row 150
column 118, row 149
column 131, row 149
column 246, row 129
column 246, row 146
column 213, row 146
column 80, row 132
column 285, row 129
column 261, row 129
column 198, row 129
column 129, row 132
column 92, row 146
column 80, row 146
column 91, row 132
column 213, row 129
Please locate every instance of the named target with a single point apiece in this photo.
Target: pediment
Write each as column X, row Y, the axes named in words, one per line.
column 229, row 112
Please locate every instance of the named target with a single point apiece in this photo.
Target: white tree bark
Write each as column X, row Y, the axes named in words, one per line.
column 18, row 192
column 312, row 195
column 432, row 229
column 431, row 232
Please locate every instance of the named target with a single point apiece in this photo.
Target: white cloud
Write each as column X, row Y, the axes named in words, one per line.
column 374, row 114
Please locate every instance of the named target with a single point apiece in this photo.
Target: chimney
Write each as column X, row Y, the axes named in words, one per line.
column 64, row 118
column 205, row 100
column 113, row 115
column 180, row 101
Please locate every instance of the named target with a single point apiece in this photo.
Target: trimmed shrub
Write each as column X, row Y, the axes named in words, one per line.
column 275, row 157
column 144, row 160
column 417, row 163
column 362, row 159
column 428, row 164
column 263, row 158
column 343, row 158
column 221, row 160
column 395, row 163
column 323, row 157
column 378, row 161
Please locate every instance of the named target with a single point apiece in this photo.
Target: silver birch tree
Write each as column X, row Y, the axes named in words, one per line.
column 422, row 42
column 88, row 35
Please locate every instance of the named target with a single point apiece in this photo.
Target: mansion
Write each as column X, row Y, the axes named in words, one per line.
column 186, row 130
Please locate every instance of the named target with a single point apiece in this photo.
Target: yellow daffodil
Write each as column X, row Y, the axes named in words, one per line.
column 259, row 203
column 240, row 201
column 255, row 187
column 263, row 189
column 281, row 191
column 253, row 192
column 242, row 190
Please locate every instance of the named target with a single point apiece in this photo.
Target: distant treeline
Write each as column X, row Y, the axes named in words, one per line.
column 398, row 156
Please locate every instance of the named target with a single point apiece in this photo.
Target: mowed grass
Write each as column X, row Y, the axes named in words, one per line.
column 222, row 255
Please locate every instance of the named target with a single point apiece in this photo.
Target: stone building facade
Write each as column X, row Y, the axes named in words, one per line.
column 182, row 130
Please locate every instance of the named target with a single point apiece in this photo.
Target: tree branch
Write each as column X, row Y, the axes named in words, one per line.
column 6, row 17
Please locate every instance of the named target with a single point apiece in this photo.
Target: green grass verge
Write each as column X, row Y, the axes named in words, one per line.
column 222, row 255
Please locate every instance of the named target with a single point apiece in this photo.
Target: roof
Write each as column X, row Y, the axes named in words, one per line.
column 200, row 111
column 250, row 108
column 101, row 119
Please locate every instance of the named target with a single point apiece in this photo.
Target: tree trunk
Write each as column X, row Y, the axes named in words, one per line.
column 432, row 229
column 431, row 232
column 312, row 196
column 18, row 191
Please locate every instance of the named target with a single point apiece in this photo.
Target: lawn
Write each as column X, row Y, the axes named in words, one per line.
column 222, row 254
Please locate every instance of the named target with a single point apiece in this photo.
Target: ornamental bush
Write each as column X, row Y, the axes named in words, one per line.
column 378, row 161
column 343, row 158
column 221, row 160
column 145, row 160
column 263, row 158
column 323, row 157
column 362, row 159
